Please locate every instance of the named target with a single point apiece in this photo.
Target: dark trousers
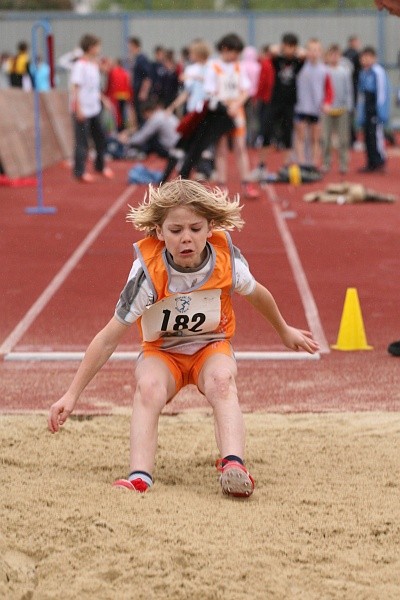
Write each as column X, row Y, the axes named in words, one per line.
column 373, row 134
column 212, row 127
column 84, row 130
column 153, row 144
column 276, row 124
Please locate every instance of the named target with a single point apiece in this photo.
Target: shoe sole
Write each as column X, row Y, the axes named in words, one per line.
column 236, row 482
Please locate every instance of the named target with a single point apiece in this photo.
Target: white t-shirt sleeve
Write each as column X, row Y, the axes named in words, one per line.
column 135, row 296
column 210, row 79
column 77, row 73
column 245, row 282
column 245, row 83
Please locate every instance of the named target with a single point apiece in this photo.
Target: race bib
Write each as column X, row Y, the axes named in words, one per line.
column 182, row 315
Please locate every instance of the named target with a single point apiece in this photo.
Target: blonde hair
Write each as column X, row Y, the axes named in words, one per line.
column 211, row 203
column 201, row 49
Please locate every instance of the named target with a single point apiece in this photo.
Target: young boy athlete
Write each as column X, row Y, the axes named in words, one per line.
column 179, row 293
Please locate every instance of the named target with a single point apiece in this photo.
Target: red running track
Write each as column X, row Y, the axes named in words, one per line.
column 337, row 247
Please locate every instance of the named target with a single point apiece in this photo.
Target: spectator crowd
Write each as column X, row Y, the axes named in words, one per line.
column 303, row 101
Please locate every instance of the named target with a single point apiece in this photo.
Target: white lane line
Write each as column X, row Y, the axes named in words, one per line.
column 120, row 356
column 307, row 298
column 44, row 298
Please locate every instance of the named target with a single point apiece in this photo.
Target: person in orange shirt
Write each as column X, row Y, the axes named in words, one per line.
column 179, row 292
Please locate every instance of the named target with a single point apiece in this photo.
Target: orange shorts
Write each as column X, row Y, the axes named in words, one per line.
column 185, row 368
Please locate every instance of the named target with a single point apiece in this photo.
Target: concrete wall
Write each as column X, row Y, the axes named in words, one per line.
column 177, row 29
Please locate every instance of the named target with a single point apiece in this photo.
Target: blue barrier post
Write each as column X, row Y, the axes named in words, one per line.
column 39, row 209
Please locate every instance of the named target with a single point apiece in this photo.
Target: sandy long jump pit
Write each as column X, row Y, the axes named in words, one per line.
column 323, row 523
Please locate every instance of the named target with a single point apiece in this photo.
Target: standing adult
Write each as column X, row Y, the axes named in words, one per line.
column 141, row 77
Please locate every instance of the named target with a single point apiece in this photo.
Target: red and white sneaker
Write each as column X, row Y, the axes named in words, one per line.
column 108, row 173
column 138, row 485
column 235, row 479
column 86, row 178
column 250, row 191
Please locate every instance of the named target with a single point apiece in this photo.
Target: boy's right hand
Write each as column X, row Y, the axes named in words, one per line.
column 59, row 412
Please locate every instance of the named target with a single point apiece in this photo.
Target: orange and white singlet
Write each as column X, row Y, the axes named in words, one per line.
column 183, row 311
column 226, row 81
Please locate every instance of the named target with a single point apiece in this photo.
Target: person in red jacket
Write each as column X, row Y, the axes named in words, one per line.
column 263, row 96
column 118, row 90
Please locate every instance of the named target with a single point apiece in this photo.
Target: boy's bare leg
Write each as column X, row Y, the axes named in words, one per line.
column 299, row 141
column 217, row 383
column 242, row 157
column 155, row 386
column 316, row 144
column 221, row 159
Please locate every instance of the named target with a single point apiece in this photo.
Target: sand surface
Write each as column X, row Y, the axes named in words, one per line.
column 324, row 521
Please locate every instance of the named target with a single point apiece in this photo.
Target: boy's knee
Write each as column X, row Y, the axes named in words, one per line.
column 219, row 382
column 150, row 391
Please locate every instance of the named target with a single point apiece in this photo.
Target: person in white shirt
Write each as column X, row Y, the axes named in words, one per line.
column 86, row 110
column 158, row 133
column 226, row 82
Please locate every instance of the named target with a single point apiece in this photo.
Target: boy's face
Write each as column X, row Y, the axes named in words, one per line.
column 333, row 58
column 314, row 51
column 229, row 56
column 185, row 234
column 288, row 50
column 94, row 51
column 367, row 60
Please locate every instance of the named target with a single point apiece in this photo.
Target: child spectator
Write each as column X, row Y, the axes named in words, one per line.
column 263, row 96
column 157, row 72
column 337, row 117
column 227, row 83
column 277, row 119
column 352, row 56
column 170, row 80
column 141, row 77
column 252, row 68
column 158, row 133
column 119, row 91
column 314, row 95
column 19, row 68
column 193, row 94
column 40, row 75
column 86, row 110
column 179, row 292
column 373, row 110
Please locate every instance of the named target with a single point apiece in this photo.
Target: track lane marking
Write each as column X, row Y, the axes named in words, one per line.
column 306, row 295
column 121, row 356
column 45, row 297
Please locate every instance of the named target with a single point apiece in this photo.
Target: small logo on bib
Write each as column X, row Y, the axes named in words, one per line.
column 182, row 303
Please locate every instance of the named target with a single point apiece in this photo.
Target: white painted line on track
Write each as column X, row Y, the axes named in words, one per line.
column 37, row 307
column 121, row 356
column 307, row 298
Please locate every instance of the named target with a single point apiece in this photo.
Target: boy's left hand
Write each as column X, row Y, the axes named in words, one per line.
column 297, row 339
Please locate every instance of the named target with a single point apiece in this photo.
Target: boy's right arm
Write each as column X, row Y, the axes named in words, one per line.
column 98, row 352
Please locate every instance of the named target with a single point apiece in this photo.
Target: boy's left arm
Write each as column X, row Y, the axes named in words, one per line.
column 293, row 338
